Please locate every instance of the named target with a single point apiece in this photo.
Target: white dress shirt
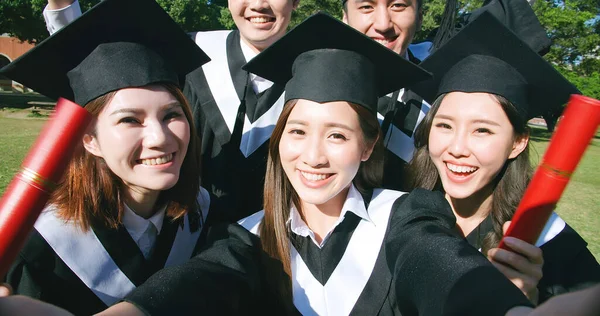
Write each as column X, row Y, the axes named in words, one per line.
column 143, row 231
column 354, row 203
column 259, row 84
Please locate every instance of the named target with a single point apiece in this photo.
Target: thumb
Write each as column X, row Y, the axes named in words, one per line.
column 505, row 227
column 5, row 289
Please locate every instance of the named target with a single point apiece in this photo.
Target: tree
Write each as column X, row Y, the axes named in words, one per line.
column 23, row 18
column 574, row 29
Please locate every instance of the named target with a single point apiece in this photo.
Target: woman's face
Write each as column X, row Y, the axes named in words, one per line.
column 142, row 134
column 321, row 149
column 470, row 139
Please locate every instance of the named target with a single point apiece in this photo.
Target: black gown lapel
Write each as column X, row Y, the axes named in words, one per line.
column 235, row 60
column 128, row 256
column 164, row 244
column 322, row 261
column 377, row 288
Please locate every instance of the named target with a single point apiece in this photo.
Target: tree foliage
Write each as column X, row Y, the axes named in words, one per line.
column 573, row 26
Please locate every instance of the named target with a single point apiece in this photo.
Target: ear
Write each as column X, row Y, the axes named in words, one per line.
column 368, row 151
column 295, row 4
column 344, row 16
column 518, row 146
column 90, row 143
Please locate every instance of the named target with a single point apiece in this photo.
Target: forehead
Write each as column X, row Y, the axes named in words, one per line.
column 468, row 106
column 310, row 112
column 142, row 98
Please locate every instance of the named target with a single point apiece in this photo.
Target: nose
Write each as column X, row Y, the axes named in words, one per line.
column 156, row 134
column 258, row 5
column 314, row 155
column 459, row 146
column 383, row 21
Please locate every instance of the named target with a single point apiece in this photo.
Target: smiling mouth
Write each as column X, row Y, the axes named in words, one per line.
column 384, row 41
column 157, row 160
column 261, row 19
column 461, row 170
column 314, row 177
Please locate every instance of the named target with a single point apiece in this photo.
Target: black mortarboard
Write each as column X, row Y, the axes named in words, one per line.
column 325, row 60
column 114, row 45
column 488, row 57
column 519, row 17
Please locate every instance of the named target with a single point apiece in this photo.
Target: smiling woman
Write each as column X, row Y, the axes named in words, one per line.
column 473, row 145
column 130, row 202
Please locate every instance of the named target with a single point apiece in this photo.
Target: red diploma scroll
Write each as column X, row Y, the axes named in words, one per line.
column 574, row 133
column 43, row 167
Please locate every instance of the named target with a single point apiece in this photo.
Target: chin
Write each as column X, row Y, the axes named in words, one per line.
column 459, row 193
column 164, row 184
column 315, row 199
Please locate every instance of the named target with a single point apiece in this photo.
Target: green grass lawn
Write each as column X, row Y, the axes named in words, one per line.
column 579, row 205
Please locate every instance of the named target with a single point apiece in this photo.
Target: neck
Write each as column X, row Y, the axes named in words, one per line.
column 320, row 218
column 142, row 203
column 253, row 47
column 471, row 211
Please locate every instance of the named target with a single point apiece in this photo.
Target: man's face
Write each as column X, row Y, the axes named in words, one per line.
column 392, row 23
column 261, row 22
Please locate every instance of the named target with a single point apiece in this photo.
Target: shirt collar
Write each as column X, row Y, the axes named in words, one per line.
column 259, row 84
column 137, row 225
column 354, row 203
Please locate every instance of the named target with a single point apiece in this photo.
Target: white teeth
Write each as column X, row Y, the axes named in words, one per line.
column 260, row 19
column 461, row 169
column 157, row 161
column 313, row 177
column 382, row 42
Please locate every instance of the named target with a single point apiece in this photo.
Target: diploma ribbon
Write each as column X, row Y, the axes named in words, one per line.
column 556, row 171
column 33, row 178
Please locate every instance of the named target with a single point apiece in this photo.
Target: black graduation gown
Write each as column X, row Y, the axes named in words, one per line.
column 400, row 113
column 422, row 267
column 40, row 271
column 234, row 143
column 568, row 263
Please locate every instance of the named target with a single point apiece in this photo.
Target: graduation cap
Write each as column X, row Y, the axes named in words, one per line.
column 114, row 45
column 518, row 16
column 488, row 57
column 325, row 60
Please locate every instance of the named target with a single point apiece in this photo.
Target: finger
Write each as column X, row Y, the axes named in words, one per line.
column 505, row 227
column 5, row 289
column 523, row 282
column 531, row 252
column 516, row 262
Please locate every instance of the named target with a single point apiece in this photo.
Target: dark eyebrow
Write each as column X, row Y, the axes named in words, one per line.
column 332, row 124
column 451, row 118
column 137, row 111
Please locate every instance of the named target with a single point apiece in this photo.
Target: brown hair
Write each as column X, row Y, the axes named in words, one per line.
column 509, row 184
column 279, row 193
column 91, row 193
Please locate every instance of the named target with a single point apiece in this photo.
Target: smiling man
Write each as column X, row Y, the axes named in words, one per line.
column 393, row 23
column 234, row 111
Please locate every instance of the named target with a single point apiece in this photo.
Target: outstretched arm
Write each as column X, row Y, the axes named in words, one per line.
column 59, row 13
column 436, row 271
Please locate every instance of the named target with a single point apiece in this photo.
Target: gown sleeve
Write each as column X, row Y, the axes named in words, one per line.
column 31, row 271
column 222, row 279
column 435, row 271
